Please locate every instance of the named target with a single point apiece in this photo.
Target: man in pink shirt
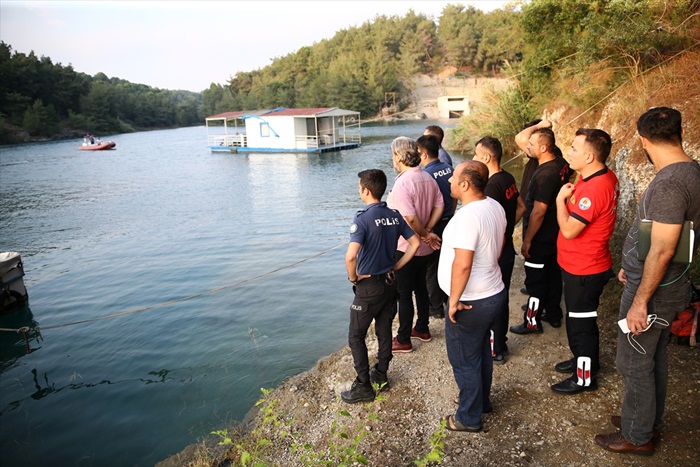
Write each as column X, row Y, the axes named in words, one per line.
column 417, row 197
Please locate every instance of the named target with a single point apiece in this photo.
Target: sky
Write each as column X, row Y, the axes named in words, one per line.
column 187, row 44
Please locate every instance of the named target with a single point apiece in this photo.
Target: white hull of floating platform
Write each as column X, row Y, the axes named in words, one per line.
column 282, row 130
column 243, row 149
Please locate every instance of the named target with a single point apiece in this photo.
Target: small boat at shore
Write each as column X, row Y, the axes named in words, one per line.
column 98, row 146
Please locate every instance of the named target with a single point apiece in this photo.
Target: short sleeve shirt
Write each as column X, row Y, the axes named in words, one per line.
column 545, row 184
column 594, row 203
column 442, row 172
column 444, row 157
column 377, row 229
column 502, row 187
column 671, row 198
column 479, row 227
column 415, row 193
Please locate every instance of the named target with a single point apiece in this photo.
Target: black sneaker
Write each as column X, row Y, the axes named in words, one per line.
column 359, row 392
column 379, row 378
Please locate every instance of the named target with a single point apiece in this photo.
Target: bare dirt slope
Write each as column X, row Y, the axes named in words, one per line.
column 530, row 424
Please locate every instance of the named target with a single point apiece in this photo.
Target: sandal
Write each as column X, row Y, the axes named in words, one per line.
column 452, row 424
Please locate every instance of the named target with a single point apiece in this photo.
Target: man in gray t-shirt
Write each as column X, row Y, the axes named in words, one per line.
column 655, row 287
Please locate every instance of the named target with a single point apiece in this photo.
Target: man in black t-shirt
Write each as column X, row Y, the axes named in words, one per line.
column 532, row 164
column 542, row 272
column 502, row 188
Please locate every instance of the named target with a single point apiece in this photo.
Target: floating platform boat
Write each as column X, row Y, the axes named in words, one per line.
column 310, row 130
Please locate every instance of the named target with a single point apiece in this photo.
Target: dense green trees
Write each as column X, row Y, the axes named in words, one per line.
column 46, row 99
column 571, row 40
column 577, row 52
column 356, row 67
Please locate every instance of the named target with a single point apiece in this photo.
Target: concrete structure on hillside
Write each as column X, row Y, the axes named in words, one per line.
column 452, row 106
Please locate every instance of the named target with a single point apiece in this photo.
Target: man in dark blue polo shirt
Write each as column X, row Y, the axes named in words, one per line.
column 370, row 264
column 428, row 147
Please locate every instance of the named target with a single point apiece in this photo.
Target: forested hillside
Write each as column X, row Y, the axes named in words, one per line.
column 41, row 99
column 570, row 51
column 358, row 65
column 351, row 70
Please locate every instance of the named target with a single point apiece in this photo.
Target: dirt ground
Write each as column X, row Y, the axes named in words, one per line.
column 530, row 424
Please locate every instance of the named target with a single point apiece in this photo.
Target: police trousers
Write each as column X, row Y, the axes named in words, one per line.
column 375, row 299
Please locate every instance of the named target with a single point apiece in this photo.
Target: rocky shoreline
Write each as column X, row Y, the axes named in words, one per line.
column 530, row 424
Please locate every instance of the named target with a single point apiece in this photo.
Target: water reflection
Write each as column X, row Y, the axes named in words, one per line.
column 44, row 386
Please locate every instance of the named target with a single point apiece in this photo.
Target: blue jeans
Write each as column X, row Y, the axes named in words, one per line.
column 646, row 375
column 469, row 352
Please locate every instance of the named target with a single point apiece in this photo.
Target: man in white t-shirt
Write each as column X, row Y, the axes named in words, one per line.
column 468, row 273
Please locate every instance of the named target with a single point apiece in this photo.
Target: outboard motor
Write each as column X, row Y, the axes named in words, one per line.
column 13, row 293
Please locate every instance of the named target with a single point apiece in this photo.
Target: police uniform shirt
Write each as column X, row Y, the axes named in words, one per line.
column 442, row 172
column 378, row 228
column 444, row 157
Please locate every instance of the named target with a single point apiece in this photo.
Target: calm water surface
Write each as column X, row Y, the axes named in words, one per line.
column 160, row 219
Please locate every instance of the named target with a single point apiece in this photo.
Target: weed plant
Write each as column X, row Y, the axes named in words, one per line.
column 344, row 446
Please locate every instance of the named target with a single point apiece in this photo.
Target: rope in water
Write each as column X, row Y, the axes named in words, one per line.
column 26, row 330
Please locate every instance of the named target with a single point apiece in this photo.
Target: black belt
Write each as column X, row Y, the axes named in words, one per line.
column 387, row 277
column 376, row 277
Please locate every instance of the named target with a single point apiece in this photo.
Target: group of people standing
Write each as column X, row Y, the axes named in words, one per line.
column 458, row 263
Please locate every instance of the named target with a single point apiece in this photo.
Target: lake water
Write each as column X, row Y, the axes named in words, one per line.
column 161, row 219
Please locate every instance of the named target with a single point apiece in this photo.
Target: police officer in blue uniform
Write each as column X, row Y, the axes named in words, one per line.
column 428, row 147
column 370, row 264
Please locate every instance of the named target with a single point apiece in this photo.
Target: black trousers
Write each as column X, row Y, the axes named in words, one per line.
column 410, row 279
column 437, row 297
column 543, row 282
column 582, row 297
column 500, row 326
column 375, row 299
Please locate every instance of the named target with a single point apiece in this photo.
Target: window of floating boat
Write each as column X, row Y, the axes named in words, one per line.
column 264, row 130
